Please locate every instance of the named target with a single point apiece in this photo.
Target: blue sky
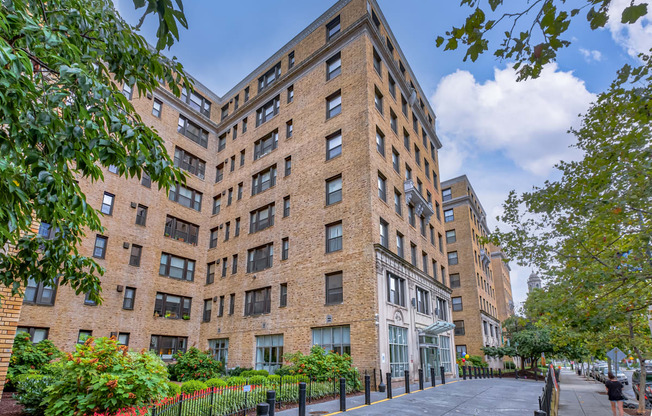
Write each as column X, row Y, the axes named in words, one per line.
column 504, row 135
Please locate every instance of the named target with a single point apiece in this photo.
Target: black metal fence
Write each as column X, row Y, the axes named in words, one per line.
column 545, row 400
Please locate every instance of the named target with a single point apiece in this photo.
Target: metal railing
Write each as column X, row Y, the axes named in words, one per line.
column 545, row 400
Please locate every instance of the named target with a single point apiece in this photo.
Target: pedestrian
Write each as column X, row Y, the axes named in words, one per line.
column 615, row 392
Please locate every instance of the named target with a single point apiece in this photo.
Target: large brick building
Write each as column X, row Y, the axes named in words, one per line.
column 308, row 216
column 503, row 283
column 472, row 278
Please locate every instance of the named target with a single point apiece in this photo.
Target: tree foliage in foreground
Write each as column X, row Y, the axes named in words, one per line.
column 533, row 33
column 63, row 118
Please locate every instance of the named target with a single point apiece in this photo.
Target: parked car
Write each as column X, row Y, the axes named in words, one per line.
column 595, row 369
column 603, row 375
column 597, row 374
column 622, row 378
column 636, row 377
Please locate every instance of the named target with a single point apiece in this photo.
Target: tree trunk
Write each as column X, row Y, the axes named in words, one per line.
column 609, row 365
column 641, row 383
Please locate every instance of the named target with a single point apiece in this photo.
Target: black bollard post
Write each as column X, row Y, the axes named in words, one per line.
column 389, row 385
column 500, row 373
column 367, row 390
column 407, row 382
column 463, row 372
column 302, row 399
column 443, row 376
column 539, row 413
column 516, row 373
column 262, row 409
column 536, row 374
column 481, row 372
column 484, row 372
column 491, row 373
column 342, row 394
column 432, row 376
column 271, row 401
column 421, row 379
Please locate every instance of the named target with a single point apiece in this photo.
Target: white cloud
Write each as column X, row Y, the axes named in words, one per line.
column 591, row 55
column 526, row 122
column 634, row 38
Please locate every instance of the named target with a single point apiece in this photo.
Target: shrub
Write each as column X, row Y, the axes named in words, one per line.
column 103, row 376
column 476, row 361
column 257, row 380
column 509, row 365
column 235, row 381
column 274, row 378
column 236, row 372
column 216, row 382
column 173, row 389
column 283, row 371
column 251, row 373
column 320, row 365
column 29, row 358
column 195, row 365
column 192, row 386
column 30, row 390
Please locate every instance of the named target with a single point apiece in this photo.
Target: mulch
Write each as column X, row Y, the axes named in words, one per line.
column 9, row 406
column 633, row 412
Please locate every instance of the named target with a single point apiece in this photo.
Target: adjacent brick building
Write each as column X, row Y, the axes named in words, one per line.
column 503, row 283
column 474, row 297
column 311, row 215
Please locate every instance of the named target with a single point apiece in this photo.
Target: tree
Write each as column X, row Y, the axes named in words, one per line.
column 533, row 34
column 63, row 119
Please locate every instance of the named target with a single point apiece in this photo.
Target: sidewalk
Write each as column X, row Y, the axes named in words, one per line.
column 581, row 397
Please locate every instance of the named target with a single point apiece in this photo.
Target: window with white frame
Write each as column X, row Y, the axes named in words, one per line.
column 269, row 352
column 399, row 360
column 220, row 349
column 333, row 338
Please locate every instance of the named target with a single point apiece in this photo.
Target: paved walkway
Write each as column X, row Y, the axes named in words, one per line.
column 581, row 397
column 486, row 397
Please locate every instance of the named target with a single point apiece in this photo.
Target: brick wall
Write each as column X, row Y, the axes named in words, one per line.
column 9, row 314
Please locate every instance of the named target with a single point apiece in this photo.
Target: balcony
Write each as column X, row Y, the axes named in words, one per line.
column 484, row 258
column 413, row 196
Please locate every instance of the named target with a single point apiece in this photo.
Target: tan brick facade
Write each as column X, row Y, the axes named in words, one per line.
column 500, row 269
column 9, row 314
column 363, row 30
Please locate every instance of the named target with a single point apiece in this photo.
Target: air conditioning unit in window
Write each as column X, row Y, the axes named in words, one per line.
column 414, row 302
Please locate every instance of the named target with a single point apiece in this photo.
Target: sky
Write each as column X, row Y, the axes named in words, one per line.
column 504, row 135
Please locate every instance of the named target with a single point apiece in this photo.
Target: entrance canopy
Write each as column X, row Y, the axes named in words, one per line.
column 437, row 328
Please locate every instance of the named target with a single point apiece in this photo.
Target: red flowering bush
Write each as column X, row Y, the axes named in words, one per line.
column 195, row 365
column 320, row 365
column 103, row 376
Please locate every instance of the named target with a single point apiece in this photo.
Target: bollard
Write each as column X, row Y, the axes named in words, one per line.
column 516, row 373
column 482, row 375
column 302, row 399
column 407, row 382
column 389, row 385
column 443, row 376
column 421, row 379
column 432, row 376
column 500, row 373
column 367, row 390
column 536, row 374
column 271, row 401
column 342, row 394
column 262, row 409
column 475, row 372
column 463, row 372
column 491, row 374
column 539, row 413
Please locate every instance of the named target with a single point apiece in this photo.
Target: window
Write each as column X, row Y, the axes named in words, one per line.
column 181, row 230
column 246, row 94
column 36, row 334
column 285, row 248
column 231, row 303
column 134, row 257
column 404, row 105
column 290, row 59
column 397, row 202
column 190, row 163
column 452, row 258
column 269, row 77
column 165, row 347
column 261, row 218
column 437, row 210
column 219, row 173
column 212, row 242
column 378, row 100
column 210, row 272
column 197, row 102
column 221, row 143
column 413, row 254
column 406, row 140
column 445, row 352
column 399, row 245
column 396, row 160
column 334, row 237
column 123, row 338
column 454, row 280
column 220, row 349
column 333, row 28
column 240, row 187
column 225, row 112
column 392, row 85
column 426, row 167
column 334, row 288
column 382, row 192
column 333, row 66
column 127, row 91
column 415, row 124
column 399, row 360
column 141, row 215
column 286, row 206
column 185, row 196
column 333, row 338
column 267, row 111
column 417, row 155
column 460, row 350
column 442, row 309
column 244, row 125
column 377, row 63
column 237, row 227
column 395, row 289
column 208, row 310
column 422, row 225
column 333, row 145
column 283, row 295
column 423, row 301
column 432, row 235
column 269, row 352
column 83, row 336
column 260, row 258
column 113, row 169
column 258, row 301
column 232, row 163
column 192, row 131
column 333, row 104
column 229, row 198
column 288, row 165
column 265, row 145
column 434, row 269
column 99, row 250
column 424, row 258
column 177, row 267
column 39, row 293
column 88, row 301
column 263, row 180
column 457, row 304
column 227, row 228
column 225, row 266
column 172, row 306
column 441, row 242
column 107, row 203
column 288, row 129
column 146, row 181
column 449, row 215
column 446, row 194
column 290, row 96
column 384, row 233
column 236, row 102
column 380, row 142
column 334, row 190
column 393, row 121
column 129, row 299
column 411, row 215
column 450, row 236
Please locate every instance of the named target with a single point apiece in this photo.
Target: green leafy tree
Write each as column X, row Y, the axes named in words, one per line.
column 195, row 365
column 64, row 119
column 321, row 365
column 534, row 31
column 29, row 358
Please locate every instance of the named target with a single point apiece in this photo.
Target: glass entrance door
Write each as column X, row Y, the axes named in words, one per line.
column 429, row 359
